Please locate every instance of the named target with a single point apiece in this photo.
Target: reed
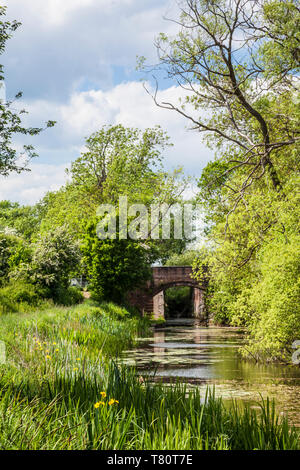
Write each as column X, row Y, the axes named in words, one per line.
column 62, row 388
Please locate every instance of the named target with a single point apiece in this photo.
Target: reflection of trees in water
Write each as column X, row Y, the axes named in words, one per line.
column 198, row 335
column 179, row 302
column 159, row 337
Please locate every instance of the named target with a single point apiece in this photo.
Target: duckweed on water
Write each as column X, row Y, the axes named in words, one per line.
column 61, row 389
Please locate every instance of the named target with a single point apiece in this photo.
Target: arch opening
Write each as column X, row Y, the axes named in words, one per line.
column 179, row 301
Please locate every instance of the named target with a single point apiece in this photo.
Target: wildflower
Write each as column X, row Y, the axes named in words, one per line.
column 112, row 401
column 48, row 357
column 54, row 344
column 78, row 359
column 75, row 368
column 98, row 404
column 56, row 350
column 103, row 394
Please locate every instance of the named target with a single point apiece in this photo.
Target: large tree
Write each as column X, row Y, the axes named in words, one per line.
column 118, row 161
column 11, row 120
column 233, row 59
column 122, row 161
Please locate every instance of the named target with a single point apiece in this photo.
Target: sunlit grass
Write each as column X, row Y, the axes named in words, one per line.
column 61, row 389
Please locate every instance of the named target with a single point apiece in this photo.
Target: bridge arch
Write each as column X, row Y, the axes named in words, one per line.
column 150, row 299
column 166, row 286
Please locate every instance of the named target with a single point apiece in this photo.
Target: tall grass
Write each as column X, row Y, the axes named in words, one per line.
column 60, row 364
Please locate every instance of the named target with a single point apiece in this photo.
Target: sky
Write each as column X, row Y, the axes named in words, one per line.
column 75, row 62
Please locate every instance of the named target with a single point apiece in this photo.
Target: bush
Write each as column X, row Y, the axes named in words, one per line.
column 178, row 301
column 21, row 297
column 55, row 256
column 13, row 251
column 6, row 305
column 275, row 301
column 68, row 296
column 115, row 311
column 18, row 292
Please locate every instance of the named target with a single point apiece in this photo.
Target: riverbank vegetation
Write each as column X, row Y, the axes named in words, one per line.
column 61, row 388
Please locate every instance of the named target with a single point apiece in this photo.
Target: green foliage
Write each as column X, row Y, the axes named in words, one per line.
column 61, row 360
column 183, row 259
column 282, row 51
column 55, row 256
column 22, row 220
column 24, row 292
column 63, row 295
column 274, row 300
column 119, row 161
column 178, row 301
column 114, row 267
column 117, row 312
column 234, row 95
column 21, row 296
column 13, row 252
column 245, row 101
column 254, row 269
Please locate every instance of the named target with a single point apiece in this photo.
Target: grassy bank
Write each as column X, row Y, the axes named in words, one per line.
column 61, row 389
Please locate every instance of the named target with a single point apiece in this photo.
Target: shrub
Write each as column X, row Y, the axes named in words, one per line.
column 55, row 257
column 13, row 251
column 67, row 296
column 18, row 292
column 115, row 311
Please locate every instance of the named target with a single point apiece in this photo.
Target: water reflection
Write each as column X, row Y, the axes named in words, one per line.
column 159, row 337
column 204, row 357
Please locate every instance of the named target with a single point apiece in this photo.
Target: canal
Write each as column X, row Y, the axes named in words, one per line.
column 209, row 357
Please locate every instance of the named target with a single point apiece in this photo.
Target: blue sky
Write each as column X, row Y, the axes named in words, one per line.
column 75, row 62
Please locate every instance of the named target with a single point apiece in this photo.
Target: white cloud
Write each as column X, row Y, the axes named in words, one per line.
column 29, row 187
column 127, row 104
column 65, row 45
column 86, row 112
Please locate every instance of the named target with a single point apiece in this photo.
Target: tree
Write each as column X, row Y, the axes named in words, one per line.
column 234, row 60
column 11, row 120
column 186, row 258
column 114, row 267
column 23, row 220
column 13, row 251
column 55, row 257
column 121, row 161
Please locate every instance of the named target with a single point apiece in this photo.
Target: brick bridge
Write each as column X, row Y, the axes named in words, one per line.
column 150, row 299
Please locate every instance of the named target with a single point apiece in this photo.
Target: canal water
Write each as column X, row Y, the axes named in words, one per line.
column 208, row 357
